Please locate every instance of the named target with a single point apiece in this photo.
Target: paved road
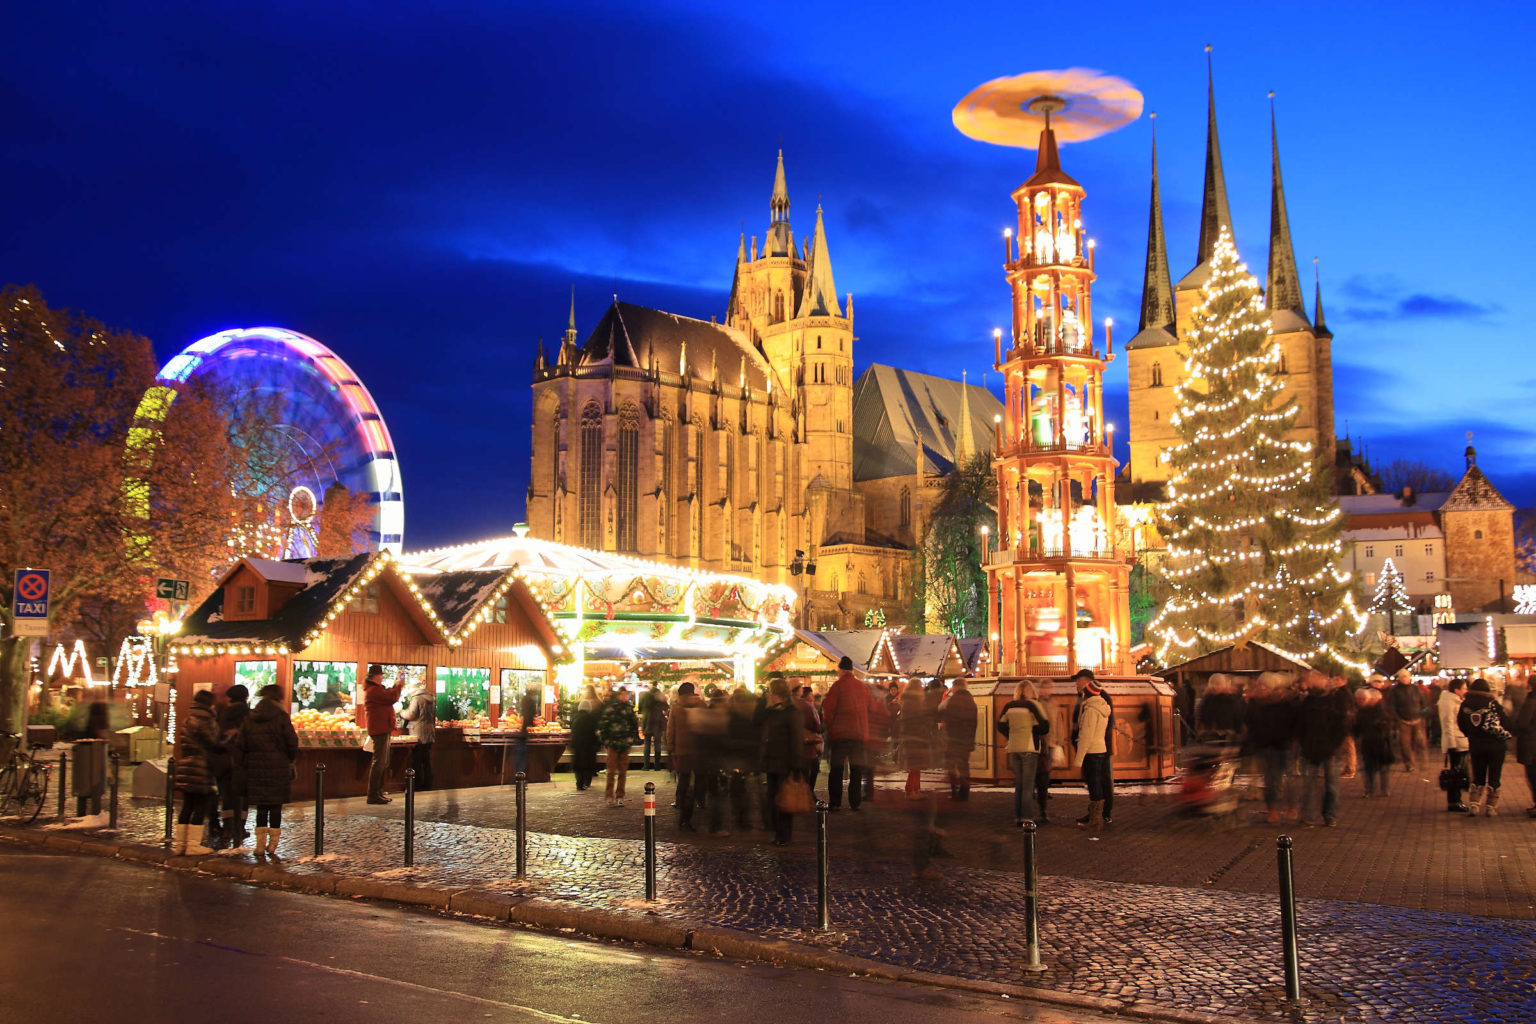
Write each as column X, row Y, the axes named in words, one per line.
column 94, row 939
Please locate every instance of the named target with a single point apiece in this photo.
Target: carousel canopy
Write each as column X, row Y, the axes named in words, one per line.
column 618, row 607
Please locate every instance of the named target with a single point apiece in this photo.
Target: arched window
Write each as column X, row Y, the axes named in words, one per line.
column 863, row 587
column 590, row 499
column 765, row 476
column 818, row 343
column 729, row 444
column 906, row 506
column 778, row 306
column 1477, row 534
column 1282, row 362
column 626, row 521
column 1157, row 375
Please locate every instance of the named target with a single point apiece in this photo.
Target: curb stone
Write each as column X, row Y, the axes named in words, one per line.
column 547, row 914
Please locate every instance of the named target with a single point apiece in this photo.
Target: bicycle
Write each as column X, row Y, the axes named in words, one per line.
column 23, row 783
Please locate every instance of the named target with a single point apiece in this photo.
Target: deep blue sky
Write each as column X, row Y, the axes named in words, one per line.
column 418, row 185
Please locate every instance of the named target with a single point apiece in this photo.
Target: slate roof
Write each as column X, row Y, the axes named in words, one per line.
column 1474, row 491
column 923, row 654
column 892, row 408
column 635, row 336
column 1391, row 504
column 326, row 579
column 858, row 644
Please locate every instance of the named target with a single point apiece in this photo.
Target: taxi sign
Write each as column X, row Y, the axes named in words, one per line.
column 29, row 602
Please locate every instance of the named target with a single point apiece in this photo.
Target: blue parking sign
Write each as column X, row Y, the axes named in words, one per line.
column 29, row 602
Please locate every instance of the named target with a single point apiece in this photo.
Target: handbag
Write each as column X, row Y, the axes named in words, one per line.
column 1058, row 756
column 794, row 797
column 1453, row 778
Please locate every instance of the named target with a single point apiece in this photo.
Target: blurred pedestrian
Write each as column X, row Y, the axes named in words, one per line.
column 379, row 715
column 1348, row 752
column 1406, row 701
column 683, row 744
column 529, row 710
column 1052, row 755
column 584, row 738
column 1025, row 724
column 420, row 718
column 845, row 713
column 653, row 710
column 1219, row 717
column 810, row 721
column 197, row 736
column 1373, row 739
column 230, row 779
column 1453, row 741
column 914, row 728
column 618, row 729
column 1271, row 725
column 1525, row 746
column 267, row 748
column 958, row 716
column 744, row 743
column 1321, row 725
column 783, row 745
column 1482, row 720
column 879, row 736
column 1093, row 739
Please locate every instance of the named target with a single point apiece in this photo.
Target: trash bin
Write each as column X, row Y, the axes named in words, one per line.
column 88, row 765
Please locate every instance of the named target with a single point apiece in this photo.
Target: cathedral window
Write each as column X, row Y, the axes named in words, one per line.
column 1157, row 375
column 778, row 306
column 906, row 506
column 863, row 587
column 590, row 501
column 1282, row 362
column 729, row 444
column 1477, row 534
column 628, row 514
column 818, row 343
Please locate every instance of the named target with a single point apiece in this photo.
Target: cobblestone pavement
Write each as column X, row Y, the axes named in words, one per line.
column 1395, row 924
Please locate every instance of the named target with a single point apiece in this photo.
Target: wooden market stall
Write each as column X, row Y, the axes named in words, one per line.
column 477, row 640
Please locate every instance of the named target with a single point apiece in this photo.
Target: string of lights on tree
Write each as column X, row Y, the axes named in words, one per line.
column 1252, row 530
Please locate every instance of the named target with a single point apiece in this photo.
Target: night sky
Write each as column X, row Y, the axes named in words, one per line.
column 419, row 185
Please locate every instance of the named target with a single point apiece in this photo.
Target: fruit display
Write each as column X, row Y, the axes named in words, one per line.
column 508, row 724
column 326, row 728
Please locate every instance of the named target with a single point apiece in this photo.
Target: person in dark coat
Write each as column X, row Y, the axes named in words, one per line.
column 584, row 738
column 528, row 712
column 420, row 718
column 1220, row 715
column 958, row 715
column 1374, row 728
column 1322, row 722
column 197, row 736
column 1525, row 746
column 653, row 708
column 682, row 742
column 814, row 742
column 266, row 748
column 1270, row 722
column 783, row 748
column 231, row 782
column 1482, row 719
column 914, row 729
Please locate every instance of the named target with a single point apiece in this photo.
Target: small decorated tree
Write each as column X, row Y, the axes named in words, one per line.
column 1391, row 595
column 1252, row 530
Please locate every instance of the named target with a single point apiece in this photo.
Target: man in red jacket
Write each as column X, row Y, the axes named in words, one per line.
column 845, row 717
column 379, row 706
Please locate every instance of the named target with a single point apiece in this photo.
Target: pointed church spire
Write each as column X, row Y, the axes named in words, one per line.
column 1319, row 326
column 1157, row 282
column 741, row 249
column 965, row 449
column 1214, row 212
column 570, row 325
column 778, row 204
column 540, row 362
column 820, row 295
column 1282, row 288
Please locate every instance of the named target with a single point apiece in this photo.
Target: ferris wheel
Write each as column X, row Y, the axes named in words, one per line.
column 319, row 411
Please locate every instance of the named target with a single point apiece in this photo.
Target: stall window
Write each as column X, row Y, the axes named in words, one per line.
column 253, row 675
column 463, row 694
column 514, row 683
column 245, row 600
column 367, row 600
column 323, row 685
column 499, row 610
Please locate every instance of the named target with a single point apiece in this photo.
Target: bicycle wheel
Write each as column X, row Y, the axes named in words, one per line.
column 34, row 793
column 7, row 788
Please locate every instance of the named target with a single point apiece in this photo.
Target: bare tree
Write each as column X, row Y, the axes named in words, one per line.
column 1415, row 473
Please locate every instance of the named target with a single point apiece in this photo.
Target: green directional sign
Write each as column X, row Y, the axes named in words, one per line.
column 172, row 590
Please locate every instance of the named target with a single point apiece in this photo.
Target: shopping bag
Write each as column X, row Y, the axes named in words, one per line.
column 794, row 797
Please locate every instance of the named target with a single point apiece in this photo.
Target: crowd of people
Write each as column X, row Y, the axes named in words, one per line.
column 1306, row 738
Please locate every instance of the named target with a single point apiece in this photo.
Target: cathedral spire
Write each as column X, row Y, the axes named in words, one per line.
column 1157, row 282
column 778, row 205
column 1282, row 288
column 570, row 325
column 965, row 449
column 820, row 295
column 1319, row 326
column 1214, row 211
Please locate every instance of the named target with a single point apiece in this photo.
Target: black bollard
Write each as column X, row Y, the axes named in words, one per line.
column 1288, row 920
column 112, row 789
column 823, row 912
column 63, row 779
column 521, row 779
column 319, row 809
column 1031, row 909
column 410, row 817
column 650, row 840
column 170, row 798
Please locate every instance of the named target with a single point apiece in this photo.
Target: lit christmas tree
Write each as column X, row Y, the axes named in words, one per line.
column 1252, row 530
column 1391, row 595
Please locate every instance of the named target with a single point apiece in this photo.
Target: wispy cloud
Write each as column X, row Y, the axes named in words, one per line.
column 1381, row 297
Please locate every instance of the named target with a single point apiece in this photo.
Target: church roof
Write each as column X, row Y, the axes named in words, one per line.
column 893, row 409
column 1153, row 337
column 636, row 336
column 1391, row 504
column 1474, row 492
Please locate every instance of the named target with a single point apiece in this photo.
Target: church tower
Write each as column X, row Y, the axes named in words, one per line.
column 1060, row 590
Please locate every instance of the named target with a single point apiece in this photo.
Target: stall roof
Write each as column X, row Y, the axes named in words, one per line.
column 457, row 596
column 1253, row 657
column 861, row 645
column 929, row 655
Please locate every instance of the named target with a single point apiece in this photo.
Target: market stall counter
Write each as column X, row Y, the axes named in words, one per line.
column 461, row 757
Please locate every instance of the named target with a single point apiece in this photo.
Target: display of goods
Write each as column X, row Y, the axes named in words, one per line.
column 308, row 720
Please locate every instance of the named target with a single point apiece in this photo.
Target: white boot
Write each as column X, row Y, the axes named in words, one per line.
column 261, row 840
column 192, row 841
column 1475, row 800
column 273, row 834
column 1491, row 802
column 178, row 839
